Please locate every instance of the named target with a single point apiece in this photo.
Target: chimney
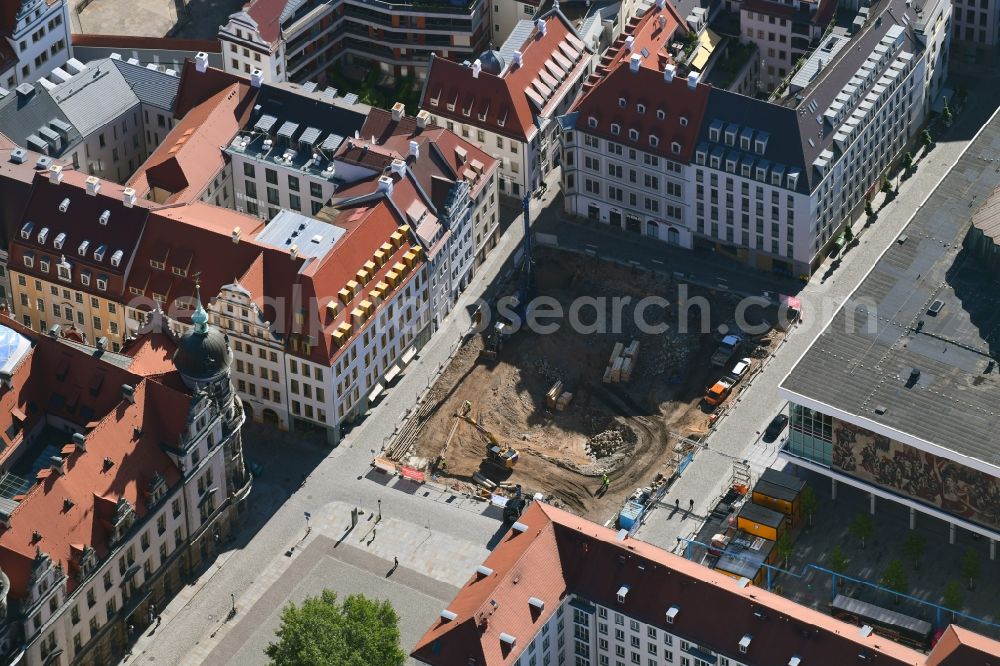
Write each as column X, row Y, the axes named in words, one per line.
column 201, row 61
column 57, row 465
column 385, row 184
column 128, row 393
column 256, row 77
column 128, row 197
column 55, row 174
column 634, row 62
column 397, row 111
column 518, row 61
column 669, row 71
column 662, row 21
column 293, row 252
column 629, row 43
column 397, row 167
column 236, row 234
column 540, row 26
column 55, row 330
column 422, row 117
column 477, row 67
column 414, row 150
column 693, row 80
column 80, row 441
column 93, row 185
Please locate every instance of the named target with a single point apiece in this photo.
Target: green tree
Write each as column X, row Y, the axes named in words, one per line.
column 848, row 237
column 784, row 547
column 886, row 183
column 953, row 597
column 869, row 211
column 324, row 632
column 946, row 112
column 913, row 548
column 861, row 528
column 907, row 161
column 808, row 501
column 895, row 577
column 971, row 565
column 838, row 561
column 926, row 139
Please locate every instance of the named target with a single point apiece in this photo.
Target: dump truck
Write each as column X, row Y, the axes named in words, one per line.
column 719, row 391
column 727, row 349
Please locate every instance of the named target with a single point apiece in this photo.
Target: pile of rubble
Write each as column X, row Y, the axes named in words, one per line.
column 671, row 355
column 610, row 441
column 543, row 368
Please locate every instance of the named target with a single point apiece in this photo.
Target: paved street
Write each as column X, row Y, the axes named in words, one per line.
column 342, row 478
column 738, row 435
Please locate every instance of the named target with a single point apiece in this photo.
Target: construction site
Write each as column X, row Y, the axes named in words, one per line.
column 587, row 418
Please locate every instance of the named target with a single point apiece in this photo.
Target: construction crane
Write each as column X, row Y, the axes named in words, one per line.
column 496, row 453
column 493, row 337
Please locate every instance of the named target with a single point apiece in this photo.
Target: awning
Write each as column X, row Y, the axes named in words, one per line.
column 408, row 356
column 131, row 571
column 707, row 41
column 392, row 374
column 411, row 474
column 376, row 392
column 18, row 414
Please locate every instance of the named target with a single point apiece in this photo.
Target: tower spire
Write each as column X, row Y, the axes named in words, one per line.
column 200, row 317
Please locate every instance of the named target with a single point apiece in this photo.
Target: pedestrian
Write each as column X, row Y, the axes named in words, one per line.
column 606, row 481
column 691, row 506
column 395, row 562
column 677, row 503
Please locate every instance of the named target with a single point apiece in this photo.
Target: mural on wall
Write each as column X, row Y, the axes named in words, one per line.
column 930, row 479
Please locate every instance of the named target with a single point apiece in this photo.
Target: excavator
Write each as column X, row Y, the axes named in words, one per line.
column 496, row 453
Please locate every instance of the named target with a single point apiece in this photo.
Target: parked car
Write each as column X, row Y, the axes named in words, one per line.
column 740, row 370
column 775, row 427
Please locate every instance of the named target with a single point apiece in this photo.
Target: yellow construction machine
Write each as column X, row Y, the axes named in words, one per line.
column 496, row 453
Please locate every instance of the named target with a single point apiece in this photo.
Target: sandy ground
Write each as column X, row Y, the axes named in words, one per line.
column 643, row 419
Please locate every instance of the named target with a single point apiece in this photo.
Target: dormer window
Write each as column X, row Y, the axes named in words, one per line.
column 760, row 145
column 699, row 157
column 58, row 242
column 43, row 264
column 116, row 258
column 633, row 135
column 713, row 134
column 730, row 137
column 65, row 270
column 715, row 161
column 616, row 129
column 661, row 114
column 29, row 259
column 26, row 230
column 745, row 142
column 654, row 141
column 746, row 171
column 641, row 108
column 675, row 148
column 99, row 252
column 776, row 179
column 102, row 283
column 684, row 121
column 793, row 180
column 43, row 235
column 592, row 121
column 82, row 250
column 85, row 278
column 622, row 102
column 731, row 166
column 761, row 173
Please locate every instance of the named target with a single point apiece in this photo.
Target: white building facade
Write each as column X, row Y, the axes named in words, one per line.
column 39, row 41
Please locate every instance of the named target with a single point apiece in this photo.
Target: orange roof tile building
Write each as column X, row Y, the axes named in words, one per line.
column 506, row 100
column 561, row 589
column 118, row 475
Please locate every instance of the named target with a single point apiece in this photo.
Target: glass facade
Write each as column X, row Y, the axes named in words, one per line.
column 810, row 435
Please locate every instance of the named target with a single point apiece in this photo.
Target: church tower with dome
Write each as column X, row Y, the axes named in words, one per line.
column 212, row 448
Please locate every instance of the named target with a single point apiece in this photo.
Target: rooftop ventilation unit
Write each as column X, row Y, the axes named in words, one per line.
column 201, row 61
column 93, row 185
column 55, row 174
column 19, row 156
column 44, row 162
column 64, row 205
column 484, row 571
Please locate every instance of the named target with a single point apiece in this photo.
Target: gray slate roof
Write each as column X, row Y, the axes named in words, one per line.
column 21, row 117
column 955, row 403
column 108, row 88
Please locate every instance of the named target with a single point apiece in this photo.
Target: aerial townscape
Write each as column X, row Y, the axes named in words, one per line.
column 500, row 332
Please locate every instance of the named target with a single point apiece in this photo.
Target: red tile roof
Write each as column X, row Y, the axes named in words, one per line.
column 682, row 107
column 198, row 87
column 821, row 15
column 69, row 510
column 267, row 14
column 961, row 647
column 81, row 222
column 182, row 167
column 505, row 104
column 561, row 554
column 189, row 239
